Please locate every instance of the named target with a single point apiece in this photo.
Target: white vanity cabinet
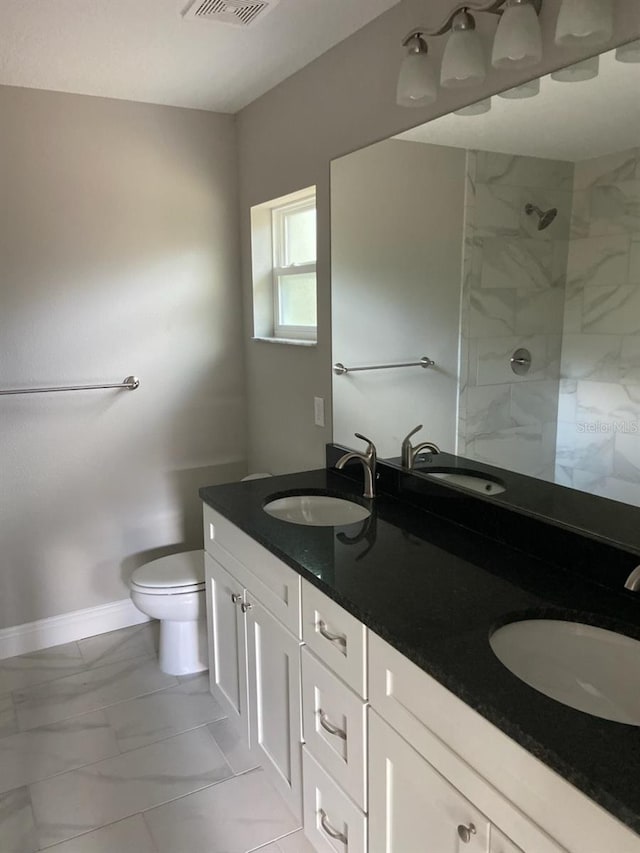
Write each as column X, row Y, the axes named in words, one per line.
column 254, row 654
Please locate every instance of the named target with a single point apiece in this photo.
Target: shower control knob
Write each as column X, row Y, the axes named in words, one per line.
column 465, row 832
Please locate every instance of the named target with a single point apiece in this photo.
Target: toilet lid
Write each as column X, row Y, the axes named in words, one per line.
column 184, row 569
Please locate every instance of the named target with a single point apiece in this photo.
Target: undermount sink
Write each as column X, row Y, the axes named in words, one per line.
column 316, row 510
column 587, row 668
column 473, row 480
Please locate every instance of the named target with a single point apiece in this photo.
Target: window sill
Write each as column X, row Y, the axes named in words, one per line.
column 288, row 341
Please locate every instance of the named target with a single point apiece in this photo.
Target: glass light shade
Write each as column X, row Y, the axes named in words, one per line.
column 518, row 39
column 584, row 22
column 417, row 86
column 463, row 60
column 526, row 90
column 629, row 52
column 585, row 70
column 476, row 109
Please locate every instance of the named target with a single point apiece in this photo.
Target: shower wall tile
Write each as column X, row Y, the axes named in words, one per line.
column 578, row 448
column 634, row 262
column 608, row 403
column 580, row 214
column 599, row 261
column 534, row 403
column 497, row 211
column 516, row 171
column 567, row 400
column 594, row 357
column 516, row 262
column 492, row 312
column 626, row 457
column 539, row 313
column 630, row 360
column 489, row 409
column 573, row 314
column 618, row 166
column 615, row 209
column 517, row 449
column 612, row 311
column 494, row 359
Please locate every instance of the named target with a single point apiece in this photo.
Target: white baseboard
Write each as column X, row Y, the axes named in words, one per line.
column 33, row 636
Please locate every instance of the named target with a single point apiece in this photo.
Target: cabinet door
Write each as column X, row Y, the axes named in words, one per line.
column 273, row 661
column 412, row 808
column 227, row 644
column 501, row 844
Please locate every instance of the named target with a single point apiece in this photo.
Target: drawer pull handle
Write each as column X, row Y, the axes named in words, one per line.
column 246, row 606
column 465, row 832
column 331, row 832
column 236, row 597
column 329, row 727
column 334, row 638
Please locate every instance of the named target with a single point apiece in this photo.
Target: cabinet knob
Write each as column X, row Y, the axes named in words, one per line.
column 465, row 832
column 246, row 605
column 236, row 597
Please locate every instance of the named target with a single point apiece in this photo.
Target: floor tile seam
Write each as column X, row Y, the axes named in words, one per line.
column 104, row 826
column 219, row 747
column 92, row 710
column 98, row 663
column 124, row 751
column 83, row 670
column 275, row 840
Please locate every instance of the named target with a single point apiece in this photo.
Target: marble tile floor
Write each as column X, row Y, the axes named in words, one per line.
column 100, row 752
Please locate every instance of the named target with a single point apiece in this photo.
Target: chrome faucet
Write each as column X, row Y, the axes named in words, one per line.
column 410, row 454
column 369, row 459
column 633, row 581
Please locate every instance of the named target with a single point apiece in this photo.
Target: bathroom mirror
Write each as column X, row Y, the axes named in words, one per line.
column 504, row 246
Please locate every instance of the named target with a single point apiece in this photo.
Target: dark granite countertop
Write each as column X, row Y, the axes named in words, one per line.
column 435, row 590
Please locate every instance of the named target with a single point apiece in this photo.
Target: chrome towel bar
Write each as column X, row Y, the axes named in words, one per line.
column 339, row 369
column 131, row 382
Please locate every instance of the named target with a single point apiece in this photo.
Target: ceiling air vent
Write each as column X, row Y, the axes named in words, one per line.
column 238, row 13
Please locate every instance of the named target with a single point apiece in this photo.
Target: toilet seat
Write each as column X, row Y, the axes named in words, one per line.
column 171, row 575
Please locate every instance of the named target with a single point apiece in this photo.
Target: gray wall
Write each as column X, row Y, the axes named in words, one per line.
column 397, row 211
column 118, row 254
column 342, row 101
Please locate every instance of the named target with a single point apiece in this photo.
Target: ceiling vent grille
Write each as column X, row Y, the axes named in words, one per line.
column 238, row 13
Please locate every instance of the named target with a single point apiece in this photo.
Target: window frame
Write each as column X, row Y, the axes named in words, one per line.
column 281, row 269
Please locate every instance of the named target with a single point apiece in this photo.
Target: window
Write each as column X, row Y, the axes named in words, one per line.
column 290, row 286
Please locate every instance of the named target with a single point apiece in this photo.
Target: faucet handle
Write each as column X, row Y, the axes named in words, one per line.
column 371, row 449
column 407, row 438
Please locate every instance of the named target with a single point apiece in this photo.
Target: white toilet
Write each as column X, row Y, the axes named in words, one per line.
column 172, row 589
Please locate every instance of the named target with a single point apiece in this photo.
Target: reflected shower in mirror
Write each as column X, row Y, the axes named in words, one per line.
column 505, row 246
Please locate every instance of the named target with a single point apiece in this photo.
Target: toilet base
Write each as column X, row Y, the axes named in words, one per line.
column 183, row 647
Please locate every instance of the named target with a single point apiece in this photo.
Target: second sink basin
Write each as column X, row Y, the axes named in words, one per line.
column 473, row 480
column 316, row 510
column 587, row 668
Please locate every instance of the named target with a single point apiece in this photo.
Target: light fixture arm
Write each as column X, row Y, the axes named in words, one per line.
column 494, row 7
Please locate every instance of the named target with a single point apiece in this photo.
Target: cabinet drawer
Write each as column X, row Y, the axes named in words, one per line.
column 332, row 822
column 336, row 637
column 334, row 724
column 501, row 844
column 272, row 581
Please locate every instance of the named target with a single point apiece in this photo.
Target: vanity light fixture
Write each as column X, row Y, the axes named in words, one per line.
column 477, row 109
column 584, row 22
column 629, row 52
column 585, row 70
column 526, row 90
column 518, row 44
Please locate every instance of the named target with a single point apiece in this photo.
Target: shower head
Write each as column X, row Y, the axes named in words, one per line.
column 545, row 217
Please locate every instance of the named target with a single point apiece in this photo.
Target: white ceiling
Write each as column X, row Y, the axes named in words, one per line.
column 142, row 50
column 566, row 121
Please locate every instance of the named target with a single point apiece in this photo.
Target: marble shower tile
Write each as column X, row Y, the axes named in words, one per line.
column 554, row 355
column 594, row 357
column 498, row 211
column 634, row 263
column 519, row 449
column 492, row 312
column 615, row 209
column 626, row 457
column 160, row 715
column 516, row 263
column 534, row 403
column 598, row 261
column 39, row 753
column 39, row 667
column 630, row 360
column 573, row 308
column 539, row 313
column 88, row 691
column 608, row 403
column 127, row 836
column 17, row 827
column 567, row 400
column 612, row 311
column 494, row 365
column 619, row 166
column 125, row 644
column 580, row 214
column 235, row 817
column 8, row 719
column 579, row 448
column 616, row 489
column 82, row 800
column 563, row 476
column 520, row 171
column 238, row 756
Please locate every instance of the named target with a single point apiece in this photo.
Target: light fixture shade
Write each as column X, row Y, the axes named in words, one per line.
column 417, row 86
column 579, row 71
column 518, row 39
column 584, row 22
column 463, row 59
column 526, row 90
column 629, row 52
column 477, row 109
